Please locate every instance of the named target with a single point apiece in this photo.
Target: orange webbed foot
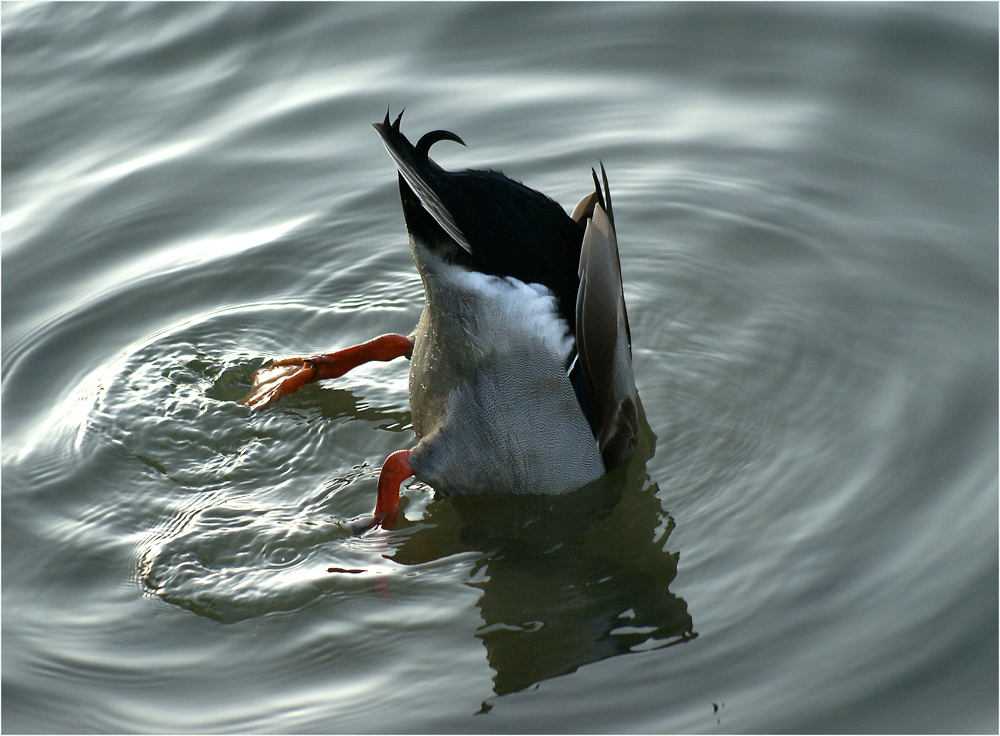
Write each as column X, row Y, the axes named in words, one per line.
column 279, row 379
column 284, row 376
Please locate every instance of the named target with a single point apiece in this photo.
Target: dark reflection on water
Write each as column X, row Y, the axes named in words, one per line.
column 565, row 580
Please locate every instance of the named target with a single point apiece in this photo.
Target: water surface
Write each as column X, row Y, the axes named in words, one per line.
column 806, row 199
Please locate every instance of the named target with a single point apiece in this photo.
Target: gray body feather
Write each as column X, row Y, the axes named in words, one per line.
column 492, row 407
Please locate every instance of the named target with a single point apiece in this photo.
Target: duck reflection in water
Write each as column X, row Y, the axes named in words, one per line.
column 565, row 580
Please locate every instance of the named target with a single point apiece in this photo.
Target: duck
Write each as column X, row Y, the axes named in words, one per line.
column 520, row 377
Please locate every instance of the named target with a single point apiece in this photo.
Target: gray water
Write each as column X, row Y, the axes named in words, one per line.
column 807, row 539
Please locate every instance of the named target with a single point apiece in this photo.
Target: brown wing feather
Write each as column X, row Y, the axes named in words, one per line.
column 602, row 332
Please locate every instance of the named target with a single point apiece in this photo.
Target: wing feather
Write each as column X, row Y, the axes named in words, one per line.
column 603, row 337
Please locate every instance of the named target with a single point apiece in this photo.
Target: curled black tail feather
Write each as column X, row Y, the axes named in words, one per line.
column 429, row 139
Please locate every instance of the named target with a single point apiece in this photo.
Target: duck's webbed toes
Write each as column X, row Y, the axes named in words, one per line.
column 278, row 379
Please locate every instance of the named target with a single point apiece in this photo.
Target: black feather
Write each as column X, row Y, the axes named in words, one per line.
column 429, row 139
